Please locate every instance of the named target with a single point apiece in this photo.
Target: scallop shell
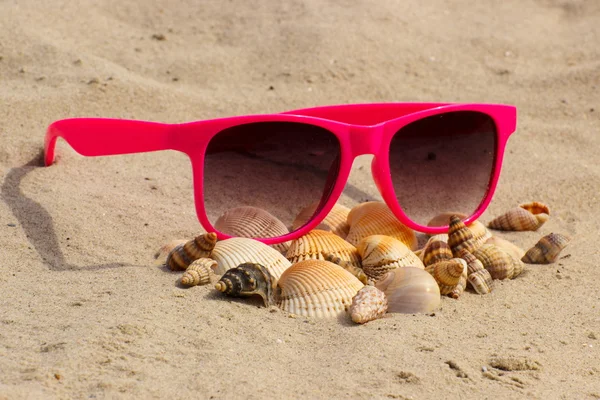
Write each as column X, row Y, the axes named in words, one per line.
column 252, row 222
column 380, row 253
column 357, row 272
column 375, row 218
column 369, row 304
column 525, row 217
column 447, row 273
column 184, row 254
column 460, row 237
column 311, row 246
column 512, row 249
column 199, row 272
column 316, row 288
column 232, row 252
column 497, row 261
column 334, row 222
column 547, row 249
column 410, row 290
column 161, row 254
column 248, row 279
column 477, row 276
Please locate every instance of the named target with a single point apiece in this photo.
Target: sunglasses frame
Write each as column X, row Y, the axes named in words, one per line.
column 359, row 128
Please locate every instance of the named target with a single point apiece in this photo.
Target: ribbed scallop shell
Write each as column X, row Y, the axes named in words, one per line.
column 357, row 272
column 525, row 217
column 232, row 252
column 380, row 253
column 334, row 222
column 547, row 249
column 460, row 237
column 199, row 272
column 498, row 262
column 410, row 290
column 314, row 243
column 375, row 218
column 369, row 303
column 252, row 222
column 184, row 254
column 447, row 273
column 248, row 279
column 316, row 288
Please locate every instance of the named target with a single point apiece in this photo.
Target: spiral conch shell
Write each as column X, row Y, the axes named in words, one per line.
column 500, row 264
column 448, row 274
column 375, row 218
column 478, row 277
column 410, row 290
column 315, row 288
column 357, row 272
column 246, row 280
column 525, row 217
column 230, row 253
column 334, row 222
column 369, row 303
column 460, row 237
column 380, row 253
column 480, row 233
column 252, row 222
column 199, row 272
column 161, row 254
column 312, row 245
column 547, row 249
column 184, row 254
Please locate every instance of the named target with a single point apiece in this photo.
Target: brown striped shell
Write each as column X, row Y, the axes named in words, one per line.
column 498, row 262
column 460, row 286
column 525, row 217
column 230, row 253
column 357, row 272
column 435, row 251
column 479, row 231
column 375, row 218
column 447, row 273
column 248, row 279
column 252, row 222
column 368, row 304
column 184, row 254
column 334, row 222
column 380, row 253
column 160, row 256
column 547, row 249
column 316, row 288
column 460, row 237
column 477, row 276
column 199, row 272
column 410, row 290
column 314, row 243
column 511, row 248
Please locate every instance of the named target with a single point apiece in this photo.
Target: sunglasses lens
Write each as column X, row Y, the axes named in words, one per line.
column 259, row 176
column 443, row 163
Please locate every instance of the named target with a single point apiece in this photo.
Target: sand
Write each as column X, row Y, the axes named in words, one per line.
column 84, row 313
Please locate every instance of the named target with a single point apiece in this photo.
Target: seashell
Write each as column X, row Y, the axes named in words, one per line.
column 410, row 290
column 477, row 276
column 447, row 273
column 380, row 253
column 252, row 222
column 460, row 237
column 230, row 253
column 357, row 272
column 248, row 279
column 460, row 286
column 199, row 272
column 547, row 249
column 334, row 222
column 525, row 217
column 311, row 246
column 498, row 262
column 443, row 219
column 184, row 254
column 479, row 231
column 515, row 251
column 316, row 288
column 375, row 218
column 369, row 303
column 435, row 251
column 161, row 254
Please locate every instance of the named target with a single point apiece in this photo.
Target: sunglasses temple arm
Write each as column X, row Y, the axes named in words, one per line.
column 103, row 137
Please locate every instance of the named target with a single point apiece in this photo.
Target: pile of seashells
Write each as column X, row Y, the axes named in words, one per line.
column 361, row 261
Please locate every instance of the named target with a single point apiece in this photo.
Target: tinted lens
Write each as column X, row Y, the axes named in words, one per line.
column 443, row 163
column 258, row 177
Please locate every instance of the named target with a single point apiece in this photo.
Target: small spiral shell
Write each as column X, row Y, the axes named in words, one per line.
column 246, row 280
column 525, row 217
column 183, row 255
column 477, row 276
column 547, row 249
column 369, row 304
column 199, row 272
column 460, row 237
column 447, row 273
column 357, row 272
column 435, row 251
column 498, row 262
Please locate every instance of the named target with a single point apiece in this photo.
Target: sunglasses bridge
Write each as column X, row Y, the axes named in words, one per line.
column 365, row 139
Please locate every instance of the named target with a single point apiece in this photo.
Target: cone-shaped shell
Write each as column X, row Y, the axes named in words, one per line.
column 375, row 218
column 248, row 279
column 357, row 272
column 460, row 286
column 410, row 291
column 548, row 248
column 314, row 243
column 498, row 262
column 460, row 237
column 515, row 251
column 525, row 217
column 316, row 288
column 477, row 276
column 479, row 231
column 232, row 252
column 380, row 253
column 199, row 272
column 161, row 254
column 369, row 303
column 447, row 273
column 183, row 255
column 252, row 222
column 334, row 222
column 435, row 251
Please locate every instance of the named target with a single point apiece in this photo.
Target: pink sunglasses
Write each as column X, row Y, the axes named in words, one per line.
column 428, row 159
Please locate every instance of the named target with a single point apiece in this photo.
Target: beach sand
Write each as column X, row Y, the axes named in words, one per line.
column 84, row 312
